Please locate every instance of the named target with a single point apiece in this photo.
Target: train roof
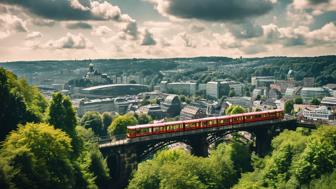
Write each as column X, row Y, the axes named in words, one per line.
column 154, row 125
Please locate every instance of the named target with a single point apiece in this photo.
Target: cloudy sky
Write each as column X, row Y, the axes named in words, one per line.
column 82, row 29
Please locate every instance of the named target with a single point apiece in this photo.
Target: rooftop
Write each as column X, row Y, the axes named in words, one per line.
column 313, row 89
column 112, row 85
column 329, row 100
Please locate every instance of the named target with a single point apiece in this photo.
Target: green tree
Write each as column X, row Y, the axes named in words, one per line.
column 107, row 120
column 278, row 169
column 39, row 156
column 319, row 157
column 143, row 118
column 62, row 116
column 232, row 92
column 315, row 101
column 94, row 121
column 234, row 109
column 298, row 100
column 120, row 123
column 145, row 102
column 327, row 181
column 13, row 109
column 289, row 106
column 92, row 159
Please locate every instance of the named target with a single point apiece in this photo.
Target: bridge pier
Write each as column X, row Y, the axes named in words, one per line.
column 121, row 165
column 199, row 145
column 263, row 141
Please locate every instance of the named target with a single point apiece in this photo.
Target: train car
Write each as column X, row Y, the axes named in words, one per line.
column 174, row 126
column 181, row 126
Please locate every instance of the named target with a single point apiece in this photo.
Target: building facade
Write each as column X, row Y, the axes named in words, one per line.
column 262, row 81
column 171, row 105
column 321, row 113
column 192, row 112
column 308, row 93
column 212, row 89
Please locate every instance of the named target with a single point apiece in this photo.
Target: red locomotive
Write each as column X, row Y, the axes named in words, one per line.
column 222, row 121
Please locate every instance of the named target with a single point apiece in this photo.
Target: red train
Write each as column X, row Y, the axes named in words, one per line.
column 222, row 121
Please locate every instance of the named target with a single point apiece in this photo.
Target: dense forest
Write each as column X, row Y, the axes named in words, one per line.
column 45, row 145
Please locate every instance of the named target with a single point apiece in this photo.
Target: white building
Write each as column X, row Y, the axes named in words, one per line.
column 212, row 89
column 238, row 88
column 119, row 105
column 188, row 87
column 308, row 93
column 262, row 81
column 96, row 105
column 321, row 113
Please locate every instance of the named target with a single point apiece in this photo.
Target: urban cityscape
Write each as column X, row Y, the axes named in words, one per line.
column 167, row 94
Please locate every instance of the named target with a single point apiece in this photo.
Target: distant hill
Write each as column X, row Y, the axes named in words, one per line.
column 323, row 68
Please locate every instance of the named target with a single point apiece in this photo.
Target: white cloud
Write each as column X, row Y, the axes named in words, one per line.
column 70, row 41
column 107, row 11
column 33, row 35
column 10, row 24
column 327, row 34
column 101, row 30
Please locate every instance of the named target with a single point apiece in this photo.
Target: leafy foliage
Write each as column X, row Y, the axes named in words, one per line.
column 298, row 100
column 62, row 116
column 107, row 120
column 39, row 156
column 94, row 121
column 19, row 103
column 315, row 101
column 176, row 168
column 289, row 106
column 143, row 118
column 234, row 109
column 92, row 160
column 300, row 159
column 120, row 123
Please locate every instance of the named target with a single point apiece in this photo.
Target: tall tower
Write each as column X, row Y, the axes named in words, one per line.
column 91, row 67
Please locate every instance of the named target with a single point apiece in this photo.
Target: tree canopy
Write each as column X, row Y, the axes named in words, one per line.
column 289, row 106
column 176, row 168
column 298, row 100
column 120, row 123
column 19, row 103
column 299, row 159
column 94, row 121
column 234, row 109
column 39, row 156
column 61, row 115
column 107, row 120
column 315, row 101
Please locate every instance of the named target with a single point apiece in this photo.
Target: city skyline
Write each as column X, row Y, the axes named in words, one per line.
column 93, row 29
